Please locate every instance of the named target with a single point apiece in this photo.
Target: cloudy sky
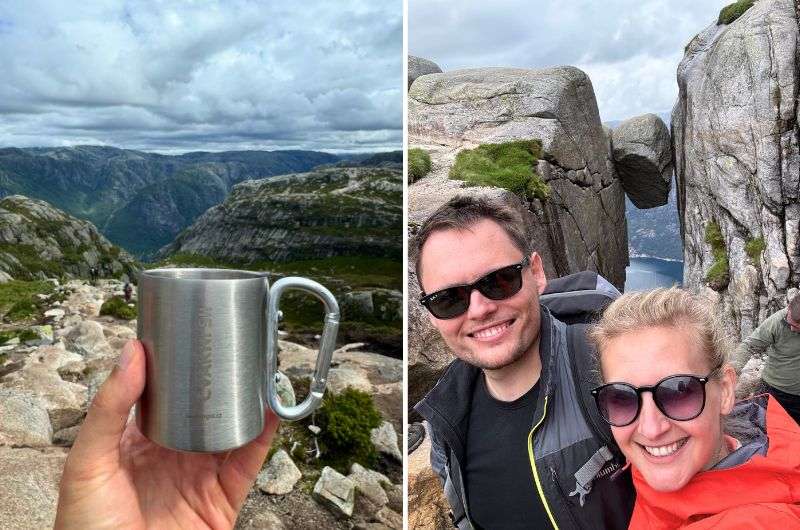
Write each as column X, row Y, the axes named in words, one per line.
column 202, row 75
column 629, row 48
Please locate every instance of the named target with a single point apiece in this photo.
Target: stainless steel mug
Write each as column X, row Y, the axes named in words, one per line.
column 211, row 340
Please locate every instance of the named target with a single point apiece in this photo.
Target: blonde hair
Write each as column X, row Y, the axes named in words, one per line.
column 674, row 308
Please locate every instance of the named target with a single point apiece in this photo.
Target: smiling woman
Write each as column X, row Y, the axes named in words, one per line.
column 669, row 398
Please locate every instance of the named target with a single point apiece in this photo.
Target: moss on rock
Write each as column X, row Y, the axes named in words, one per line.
column 509, row 165
column 754, row 248
column 733, row 11
column 419, row 164
column 718, row 275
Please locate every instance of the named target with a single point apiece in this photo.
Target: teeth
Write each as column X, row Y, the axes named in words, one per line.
column 490, row 332
column 663, row 450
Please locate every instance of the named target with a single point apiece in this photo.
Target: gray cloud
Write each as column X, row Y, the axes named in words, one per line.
column 629, row 48
column 202, row 75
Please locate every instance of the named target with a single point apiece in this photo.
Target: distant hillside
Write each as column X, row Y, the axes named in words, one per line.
column 655, row 232
column 140, row 200
column 38, row 241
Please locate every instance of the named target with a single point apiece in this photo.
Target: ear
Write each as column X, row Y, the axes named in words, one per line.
column 728, row 387
column 537, row 269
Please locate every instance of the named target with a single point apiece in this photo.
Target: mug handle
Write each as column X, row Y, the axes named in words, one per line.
column 317, row 387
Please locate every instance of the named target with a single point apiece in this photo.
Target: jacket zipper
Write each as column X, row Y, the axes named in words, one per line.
column 533, row 467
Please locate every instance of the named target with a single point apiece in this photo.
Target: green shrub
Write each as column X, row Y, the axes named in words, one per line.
column 346, row 420
column 509, row 165
column 24, row 309
column 717, row 276
column 117, row 307
column 754, row 248
column 419, row 164
column 21, row 334
column 733, row 11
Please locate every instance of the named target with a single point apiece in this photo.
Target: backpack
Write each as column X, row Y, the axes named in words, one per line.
column 578, row 300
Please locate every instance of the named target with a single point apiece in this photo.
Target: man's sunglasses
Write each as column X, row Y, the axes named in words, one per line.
column 497, row 285
column 678, row 397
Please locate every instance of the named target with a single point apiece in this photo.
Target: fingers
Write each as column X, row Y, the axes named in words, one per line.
column 242, row 465
column 98, row 440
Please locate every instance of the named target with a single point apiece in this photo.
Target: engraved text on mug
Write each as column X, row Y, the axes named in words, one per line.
column 206, row 344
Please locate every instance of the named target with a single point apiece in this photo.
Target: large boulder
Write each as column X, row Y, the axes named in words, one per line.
column 737, row 160
column 417, row 66
column 64, row 401
column 643, row 159
column 29, row 484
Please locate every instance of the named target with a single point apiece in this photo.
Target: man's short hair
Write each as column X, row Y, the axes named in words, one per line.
column 794, row 308
column 464, row 211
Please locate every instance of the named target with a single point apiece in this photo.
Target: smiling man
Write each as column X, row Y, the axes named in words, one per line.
column 508, row 437
column 779, row 336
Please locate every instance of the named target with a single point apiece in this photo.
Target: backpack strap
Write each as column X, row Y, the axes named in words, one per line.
column 581, row 354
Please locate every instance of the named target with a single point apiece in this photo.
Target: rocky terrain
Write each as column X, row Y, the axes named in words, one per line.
column 139, row 200
column 38, row 241
column 326, row 213
column 48, row 378
column 737, row 161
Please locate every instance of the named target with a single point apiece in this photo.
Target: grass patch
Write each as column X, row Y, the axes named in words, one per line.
column 509, row 165
column 733, row 11
column 21, row 334
column 18, row 300
column 419, row 164
column 754, row 248
column 118, row 308
column 346, row 420
column 718, row 275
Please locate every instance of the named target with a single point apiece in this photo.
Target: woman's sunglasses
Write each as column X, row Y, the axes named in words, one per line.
column 678, row 397
column 497, row 285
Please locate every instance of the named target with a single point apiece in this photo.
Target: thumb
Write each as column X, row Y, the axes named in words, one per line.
column 99, row 436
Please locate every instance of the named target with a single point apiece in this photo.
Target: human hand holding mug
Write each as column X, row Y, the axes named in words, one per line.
column 115, row 477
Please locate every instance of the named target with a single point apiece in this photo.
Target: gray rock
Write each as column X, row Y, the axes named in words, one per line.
column 643, row 159
column 66, row 437
column 279, row 476
column 56, row 314
column 285, row 390
column 23, row 420
column 370, row 484
column 335, row 491
column 390, row 518
column 44, row 333
column 264, row 520
column 87, row 339
column 29, row 481
column 417, row 66
column 735, row 137
column 64, row 401
column 384, row 438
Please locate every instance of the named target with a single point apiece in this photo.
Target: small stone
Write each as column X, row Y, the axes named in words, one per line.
column 13, row 341
column 56, row 314
column 45, row 335
column 368, row 483
column 279, row 476
column 335, row 491
column 285, row 390
column 66, row 437
column 390, row 518
column 315, row 429
column 384, row 438
column 264, row 520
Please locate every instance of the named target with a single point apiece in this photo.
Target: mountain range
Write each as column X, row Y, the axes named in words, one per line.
column 140, row 200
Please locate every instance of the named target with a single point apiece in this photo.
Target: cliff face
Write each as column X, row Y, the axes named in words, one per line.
column 139, row 200
column 38, row 241
column 321, row 214
column 736, row 146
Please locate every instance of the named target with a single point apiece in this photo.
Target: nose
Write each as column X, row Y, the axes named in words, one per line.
column 479, row 306
column 652, row 422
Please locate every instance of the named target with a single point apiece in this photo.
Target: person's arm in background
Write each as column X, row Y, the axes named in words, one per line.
column 759, row 340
